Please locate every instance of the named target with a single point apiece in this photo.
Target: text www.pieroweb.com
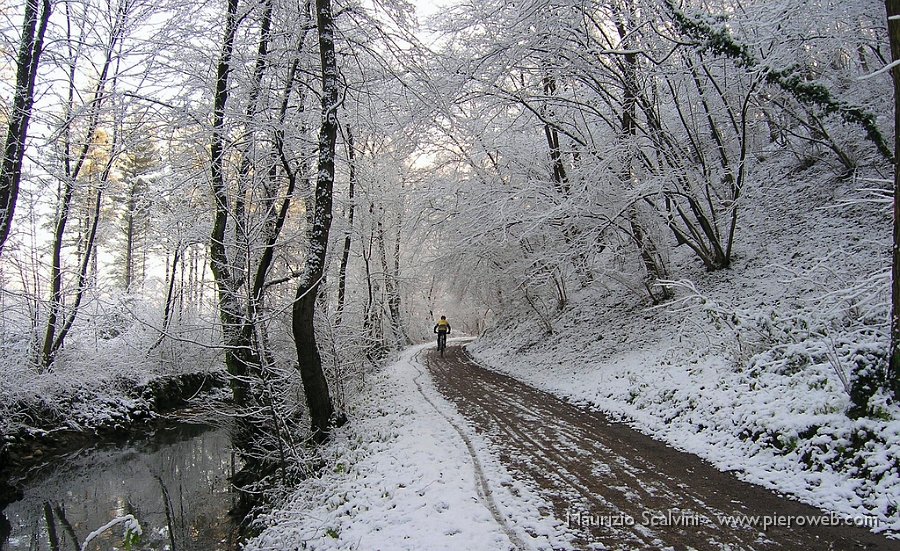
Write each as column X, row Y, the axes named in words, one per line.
column 585, row 519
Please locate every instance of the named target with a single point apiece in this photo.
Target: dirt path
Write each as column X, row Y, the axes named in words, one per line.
column 619, row 489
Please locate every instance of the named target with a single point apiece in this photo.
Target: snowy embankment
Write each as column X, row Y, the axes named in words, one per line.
column 400, row 476
column 64, row 416
column 747, row 367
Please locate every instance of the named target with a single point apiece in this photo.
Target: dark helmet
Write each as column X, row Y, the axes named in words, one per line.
column 443, row 317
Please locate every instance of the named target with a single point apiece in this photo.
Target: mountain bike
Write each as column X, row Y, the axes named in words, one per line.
column 442, row 342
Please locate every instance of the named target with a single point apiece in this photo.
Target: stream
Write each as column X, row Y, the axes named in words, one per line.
column 174, row 481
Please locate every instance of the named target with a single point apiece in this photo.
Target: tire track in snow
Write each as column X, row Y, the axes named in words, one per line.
column 482, row 487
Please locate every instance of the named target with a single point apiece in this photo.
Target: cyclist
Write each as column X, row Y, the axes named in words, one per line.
column 442, row 327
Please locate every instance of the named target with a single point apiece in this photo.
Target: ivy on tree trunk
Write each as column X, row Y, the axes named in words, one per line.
column 714, row 36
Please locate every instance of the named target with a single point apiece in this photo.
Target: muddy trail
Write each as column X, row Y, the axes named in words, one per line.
column 619, row 489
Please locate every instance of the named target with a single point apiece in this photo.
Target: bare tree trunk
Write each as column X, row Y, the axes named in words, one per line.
column 893, row 16
column 653, row 263
column 239, row 314
column 239, row 356
column 244, row 176
column 315, row 385
column 89, row 256
column 52, row 342
column 274, row 220
column 191, row 275
column 130, row 205
column 27, row 62
column 170, row 295
column 390, row 287
column 394, row 298
column 560, row 179
column 345, row 255
column 182, row 271
column 372, row 321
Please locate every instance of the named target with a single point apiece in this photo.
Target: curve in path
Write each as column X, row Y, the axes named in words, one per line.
column 620, row 489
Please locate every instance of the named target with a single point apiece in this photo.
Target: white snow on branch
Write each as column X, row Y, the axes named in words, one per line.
column 131, row 524
column 884, row 69
column 620, row 52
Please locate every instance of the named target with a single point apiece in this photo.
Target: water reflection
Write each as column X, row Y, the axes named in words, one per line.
column 175, row 484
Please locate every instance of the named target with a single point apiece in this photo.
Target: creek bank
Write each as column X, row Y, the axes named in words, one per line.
column 44, row 431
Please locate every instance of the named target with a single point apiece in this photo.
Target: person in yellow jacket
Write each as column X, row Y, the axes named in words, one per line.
column 442, row 328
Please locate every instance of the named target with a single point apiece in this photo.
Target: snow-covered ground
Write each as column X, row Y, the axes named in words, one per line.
column 746, row 367
column 402, row 476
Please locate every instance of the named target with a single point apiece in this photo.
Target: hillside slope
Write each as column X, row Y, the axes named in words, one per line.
column 746, row 367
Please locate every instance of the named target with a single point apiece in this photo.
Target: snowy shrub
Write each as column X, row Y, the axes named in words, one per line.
column 868, row 375
column 752, row 332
